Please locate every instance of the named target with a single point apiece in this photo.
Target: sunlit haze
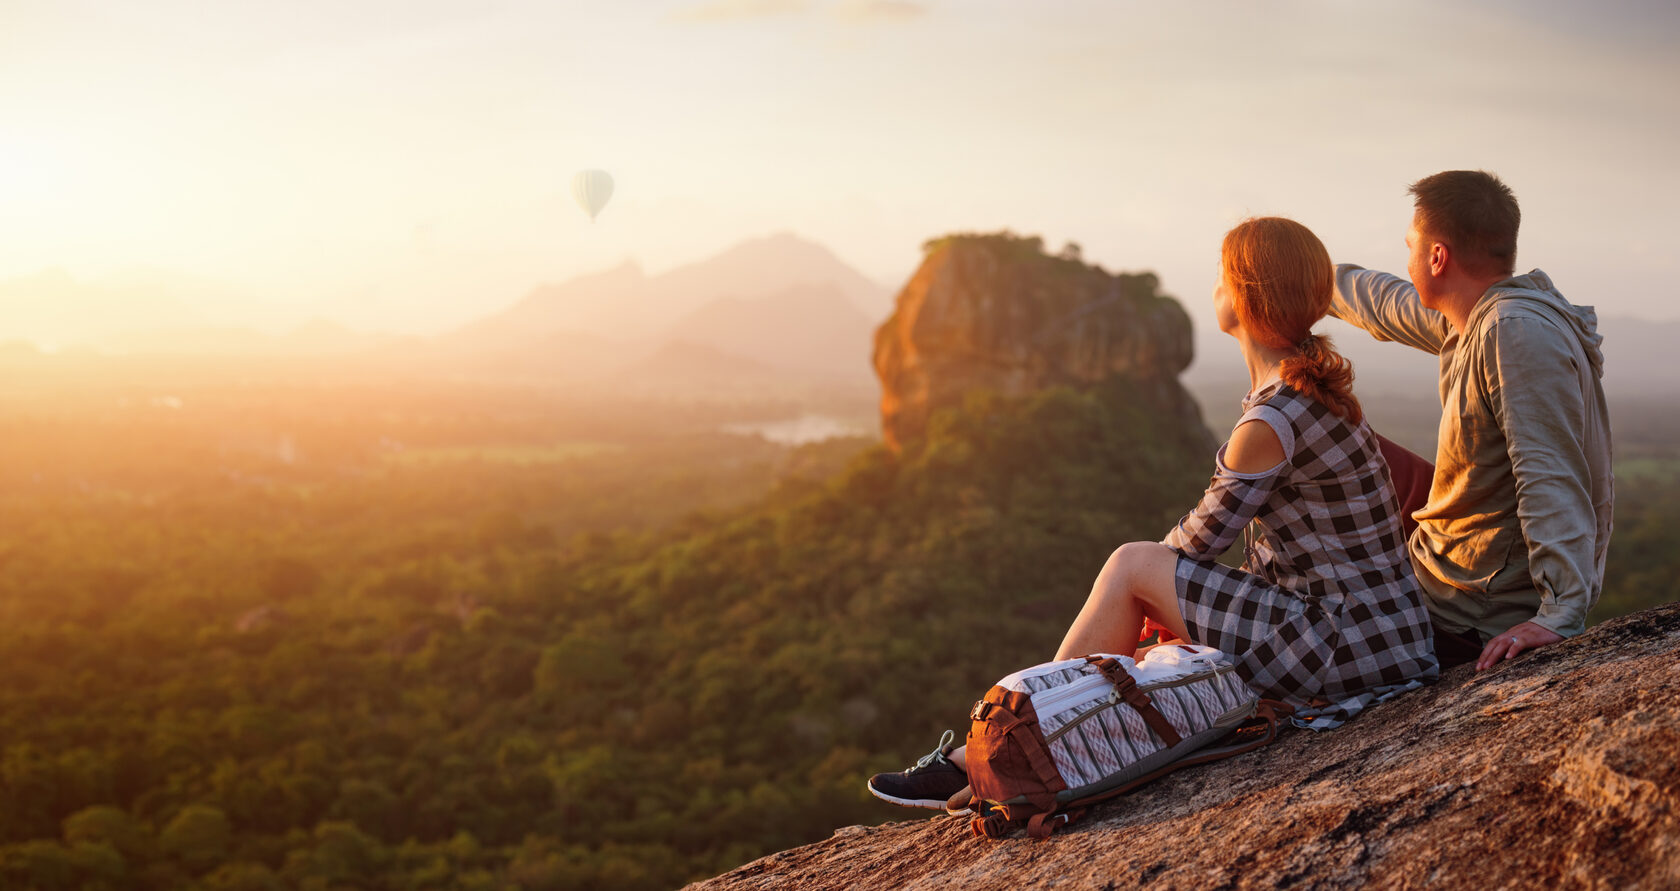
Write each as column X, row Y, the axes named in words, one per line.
column 403, row 166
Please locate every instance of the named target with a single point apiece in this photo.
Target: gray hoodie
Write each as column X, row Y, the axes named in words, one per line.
column 1518, row 519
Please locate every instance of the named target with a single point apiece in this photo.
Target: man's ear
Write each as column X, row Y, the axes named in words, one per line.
column 1439, row 254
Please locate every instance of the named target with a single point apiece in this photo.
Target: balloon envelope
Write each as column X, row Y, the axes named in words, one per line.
column 591, row 189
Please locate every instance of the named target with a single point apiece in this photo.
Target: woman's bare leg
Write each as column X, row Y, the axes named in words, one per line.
column 1139, row 579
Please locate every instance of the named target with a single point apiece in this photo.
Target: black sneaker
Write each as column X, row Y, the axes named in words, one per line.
column 930, row 784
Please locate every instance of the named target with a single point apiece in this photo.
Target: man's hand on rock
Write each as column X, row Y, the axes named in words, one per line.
column 1509, row 643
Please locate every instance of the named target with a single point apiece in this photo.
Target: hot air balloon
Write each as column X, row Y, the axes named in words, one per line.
column 591, row 189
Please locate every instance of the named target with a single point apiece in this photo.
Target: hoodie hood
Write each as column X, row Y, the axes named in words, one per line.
column 1536, row 287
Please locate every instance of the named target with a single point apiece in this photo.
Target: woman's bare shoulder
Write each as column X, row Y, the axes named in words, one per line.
column 1254, row 448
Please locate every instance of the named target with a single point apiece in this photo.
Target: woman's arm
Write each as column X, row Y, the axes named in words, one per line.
column 1245, row 473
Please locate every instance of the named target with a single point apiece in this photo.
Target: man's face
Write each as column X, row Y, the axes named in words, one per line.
column 1417, row 264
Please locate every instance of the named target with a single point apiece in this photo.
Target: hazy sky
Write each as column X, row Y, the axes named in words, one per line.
column 405, row 165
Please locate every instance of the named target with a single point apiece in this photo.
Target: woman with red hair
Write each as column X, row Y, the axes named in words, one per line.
column 1325, row 613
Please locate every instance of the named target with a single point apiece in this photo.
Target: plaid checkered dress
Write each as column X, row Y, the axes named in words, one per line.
column 1325, row 607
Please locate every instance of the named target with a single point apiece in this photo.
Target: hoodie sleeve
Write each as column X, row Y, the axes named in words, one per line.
column 1387, row 307
column 1534, row 391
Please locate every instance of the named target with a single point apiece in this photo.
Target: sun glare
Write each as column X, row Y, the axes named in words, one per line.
column 29, row 171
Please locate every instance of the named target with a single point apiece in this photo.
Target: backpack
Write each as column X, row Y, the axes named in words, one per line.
column 1049, row 740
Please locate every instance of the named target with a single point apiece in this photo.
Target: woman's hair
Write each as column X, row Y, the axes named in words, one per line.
column 1280, row 277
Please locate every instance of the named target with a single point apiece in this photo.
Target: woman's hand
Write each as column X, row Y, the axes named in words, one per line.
column 1509, row 643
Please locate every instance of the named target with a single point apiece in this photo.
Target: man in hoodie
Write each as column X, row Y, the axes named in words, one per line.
column 1510, row 545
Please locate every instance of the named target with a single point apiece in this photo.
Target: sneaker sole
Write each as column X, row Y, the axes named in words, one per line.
column 928, row 803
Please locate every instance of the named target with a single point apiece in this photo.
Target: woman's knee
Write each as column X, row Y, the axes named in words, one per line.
column 1136, row 558
column 1150, row 570
column 1132, row 572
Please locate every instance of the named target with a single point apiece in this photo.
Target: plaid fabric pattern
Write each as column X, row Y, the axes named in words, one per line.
column 1325, row 606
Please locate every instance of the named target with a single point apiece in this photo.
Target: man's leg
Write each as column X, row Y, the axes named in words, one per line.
column 1453, row 649
column 1412, row 477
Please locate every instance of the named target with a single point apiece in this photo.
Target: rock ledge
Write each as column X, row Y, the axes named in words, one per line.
column 1560, row 768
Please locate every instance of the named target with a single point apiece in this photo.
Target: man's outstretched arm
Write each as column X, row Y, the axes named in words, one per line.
column 1387, row 307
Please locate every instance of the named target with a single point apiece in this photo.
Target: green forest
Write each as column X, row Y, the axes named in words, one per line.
column 272, row 636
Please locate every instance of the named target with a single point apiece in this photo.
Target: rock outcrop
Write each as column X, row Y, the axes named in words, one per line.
column 995, row 312
column 1560, row 768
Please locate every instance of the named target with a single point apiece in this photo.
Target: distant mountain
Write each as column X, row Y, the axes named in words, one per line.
column 626, row 304
column 766, row 314
column 692, row 372
column 811, row 329
column 680, row 363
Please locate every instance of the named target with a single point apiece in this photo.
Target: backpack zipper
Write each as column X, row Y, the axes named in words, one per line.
column 1058, row 699
column 1068, row 695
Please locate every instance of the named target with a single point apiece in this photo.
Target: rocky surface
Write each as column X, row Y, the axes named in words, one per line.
column 995, row 312
column 1560, row 768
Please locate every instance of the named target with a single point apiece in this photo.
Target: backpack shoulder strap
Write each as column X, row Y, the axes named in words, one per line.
column 1126, row 687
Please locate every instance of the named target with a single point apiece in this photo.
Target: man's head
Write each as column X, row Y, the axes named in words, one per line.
column 1474, row 214
column 1463, row 236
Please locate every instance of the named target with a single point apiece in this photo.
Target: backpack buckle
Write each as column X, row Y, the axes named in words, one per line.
column 981, row 710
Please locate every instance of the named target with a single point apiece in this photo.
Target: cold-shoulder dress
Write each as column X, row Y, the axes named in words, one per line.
column 1325, row 613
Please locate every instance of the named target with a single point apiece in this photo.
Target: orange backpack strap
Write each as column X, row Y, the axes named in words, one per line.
column 1125, row 686
column 1042, row 826
column 993, row 826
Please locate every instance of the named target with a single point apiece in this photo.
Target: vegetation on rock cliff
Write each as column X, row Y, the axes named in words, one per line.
column 1010, row 245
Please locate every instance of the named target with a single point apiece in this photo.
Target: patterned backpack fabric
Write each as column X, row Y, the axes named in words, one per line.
column 1050, row 739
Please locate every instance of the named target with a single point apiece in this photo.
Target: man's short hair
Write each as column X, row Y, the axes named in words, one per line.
column 1474, row 213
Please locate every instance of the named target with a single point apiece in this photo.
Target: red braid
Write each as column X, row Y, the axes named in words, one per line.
column 1325, row 375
